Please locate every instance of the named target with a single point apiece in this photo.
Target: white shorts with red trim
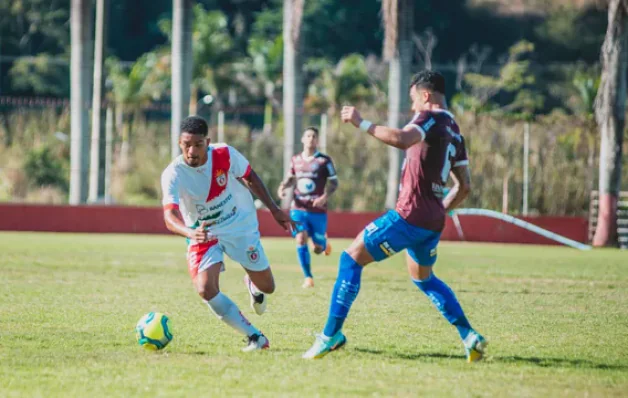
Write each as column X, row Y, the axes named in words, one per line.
column 244, row 249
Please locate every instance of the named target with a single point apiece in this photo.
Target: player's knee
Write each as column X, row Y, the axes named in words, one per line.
column 207, row 292
column 318, row 249
column 268, row 287
column 301, row 238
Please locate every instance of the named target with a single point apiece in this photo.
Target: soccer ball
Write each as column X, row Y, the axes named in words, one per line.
column 153, row 332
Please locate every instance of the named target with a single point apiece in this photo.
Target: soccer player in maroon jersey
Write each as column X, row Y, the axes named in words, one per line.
column 435, row 150
column 314, row 177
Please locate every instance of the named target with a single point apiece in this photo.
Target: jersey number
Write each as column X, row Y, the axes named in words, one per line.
column 451, row 152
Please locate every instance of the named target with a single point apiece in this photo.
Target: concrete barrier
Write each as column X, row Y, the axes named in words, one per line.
column 148, row 220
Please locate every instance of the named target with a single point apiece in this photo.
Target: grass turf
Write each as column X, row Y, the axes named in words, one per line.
column 556, row 319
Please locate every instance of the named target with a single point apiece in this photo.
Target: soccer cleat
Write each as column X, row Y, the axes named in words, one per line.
column 323, row 345
column 258, row 299
column 474, row 346
column 308, row 283
column 256, row 342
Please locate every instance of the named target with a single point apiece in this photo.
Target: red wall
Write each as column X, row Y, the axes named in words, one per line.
column 148, row 220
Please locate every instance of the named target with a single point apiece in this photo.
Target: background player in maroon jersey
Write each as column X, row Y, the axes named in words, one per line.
column 314, row 177
column 435, row 150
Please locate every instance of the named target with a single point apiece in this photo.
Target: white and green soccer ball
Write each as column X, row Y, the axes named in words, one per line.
column 153, row 331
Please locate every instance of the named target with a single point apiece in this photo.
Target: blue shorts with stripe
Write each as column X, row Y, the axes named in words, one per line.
column 391, row 234
column 315, row 224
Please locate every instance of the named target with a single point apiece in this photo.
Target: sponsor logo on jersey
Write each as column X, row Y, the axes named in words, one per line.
column 388, row 251
column 253, row 254
column 426, row 126
column 221, row 178
column 306, row 185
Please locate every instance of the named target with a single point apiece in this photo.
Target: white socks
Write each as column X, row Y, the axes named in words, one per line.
column 228, row 312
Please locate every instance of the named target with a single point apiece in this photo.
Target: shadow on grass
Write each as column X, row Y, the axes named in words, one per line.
column 537, row 361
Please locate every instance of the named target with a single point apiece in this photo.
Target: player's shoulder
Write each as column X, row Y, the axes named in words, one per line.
column 219, row 147
column 323, row 157
column 173, row 168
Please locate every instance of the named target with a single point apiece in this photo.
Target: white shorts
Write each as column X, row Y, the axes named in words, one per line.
column 244, row 249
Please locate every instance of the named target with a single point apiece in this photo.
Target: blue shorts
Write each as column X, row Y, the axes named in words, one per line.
column 315, row 224
column 390, row 234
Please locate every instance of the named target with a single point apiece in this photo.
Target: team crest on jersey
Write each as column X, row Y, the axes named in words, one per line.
column 314, row 166
column 253, row 254
column 221, row 178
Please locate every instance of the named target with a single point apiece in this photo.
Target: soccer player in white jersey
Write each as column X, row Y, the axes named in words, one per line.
column 206, row 200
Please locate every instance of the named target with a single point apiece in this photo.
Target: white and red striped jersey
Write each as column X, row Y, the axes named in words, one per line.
column 212, row 192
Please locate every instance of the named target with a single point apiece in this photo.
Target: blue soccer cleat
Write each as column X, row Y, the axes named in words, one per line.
column 474, row 346
column 324, row 345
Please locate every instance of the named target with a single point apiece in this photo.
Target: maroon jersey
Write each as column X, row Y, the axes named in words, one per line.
column 312, row 174
column 426, row 169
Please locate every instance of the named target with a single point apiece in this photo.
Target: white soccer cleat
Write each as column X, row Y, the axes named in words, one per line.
column 258, row 299
column 257, row 342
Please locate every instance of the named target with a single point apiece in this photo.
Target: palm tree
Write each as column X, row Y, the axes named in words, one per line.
column 610, row 110
column 181, row 67
column 80, row 76
column 292, row 81
column 398, row 25
column 133, row 88
column 97, row 175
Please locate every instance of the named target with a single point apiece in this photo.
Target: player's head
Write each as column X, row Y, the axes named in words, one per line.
column 193, row 140
column 310, row 139
column 427, row 87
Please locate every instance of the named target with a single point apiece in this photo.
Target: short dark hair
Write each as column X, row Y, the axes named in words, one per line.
column 194, row 125
column 314, row 129
column 429, row 80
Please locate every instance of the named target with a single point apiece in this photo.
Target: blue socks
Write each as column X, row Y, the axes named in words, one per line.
column 345, row 291
column 303, row 253
column 446, row 302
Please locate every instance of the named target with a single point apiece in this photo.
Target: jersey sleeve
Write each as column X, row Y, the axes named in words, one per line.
column 461, row 158
column 331, row 170
column 293, row 172
column 240, row 166
column 423, row 122
column 170, row 189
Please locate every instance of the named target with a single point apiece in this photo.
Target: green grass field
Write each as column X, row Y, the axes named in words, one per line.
column 556, row 319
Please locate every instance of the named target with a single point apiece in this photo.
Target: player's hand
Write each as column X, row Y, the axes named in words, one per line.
column 284, row 220
column 350, row 115
column 320, row 202
column 281, row 192
column 202, row 234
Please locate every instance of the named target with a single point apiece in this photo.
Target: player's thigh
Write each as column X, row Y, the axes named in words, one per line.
column 422, row 256
column 247, row 250
column 358, row 252
column 318, row 228
column 301, row 221
column 387, row 236
column 201, row 256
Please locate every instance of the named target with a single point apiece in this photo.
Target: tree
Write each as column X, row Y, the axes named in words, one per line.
column 610, row 109
column 212, row 50
column 96, row 166
column 292, row 81
column 80, row 76
column 181, row 67
column 398, row 46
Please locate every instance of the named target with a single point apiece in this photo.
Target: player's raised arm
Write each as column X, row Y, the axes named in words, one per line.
column 399, row 138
